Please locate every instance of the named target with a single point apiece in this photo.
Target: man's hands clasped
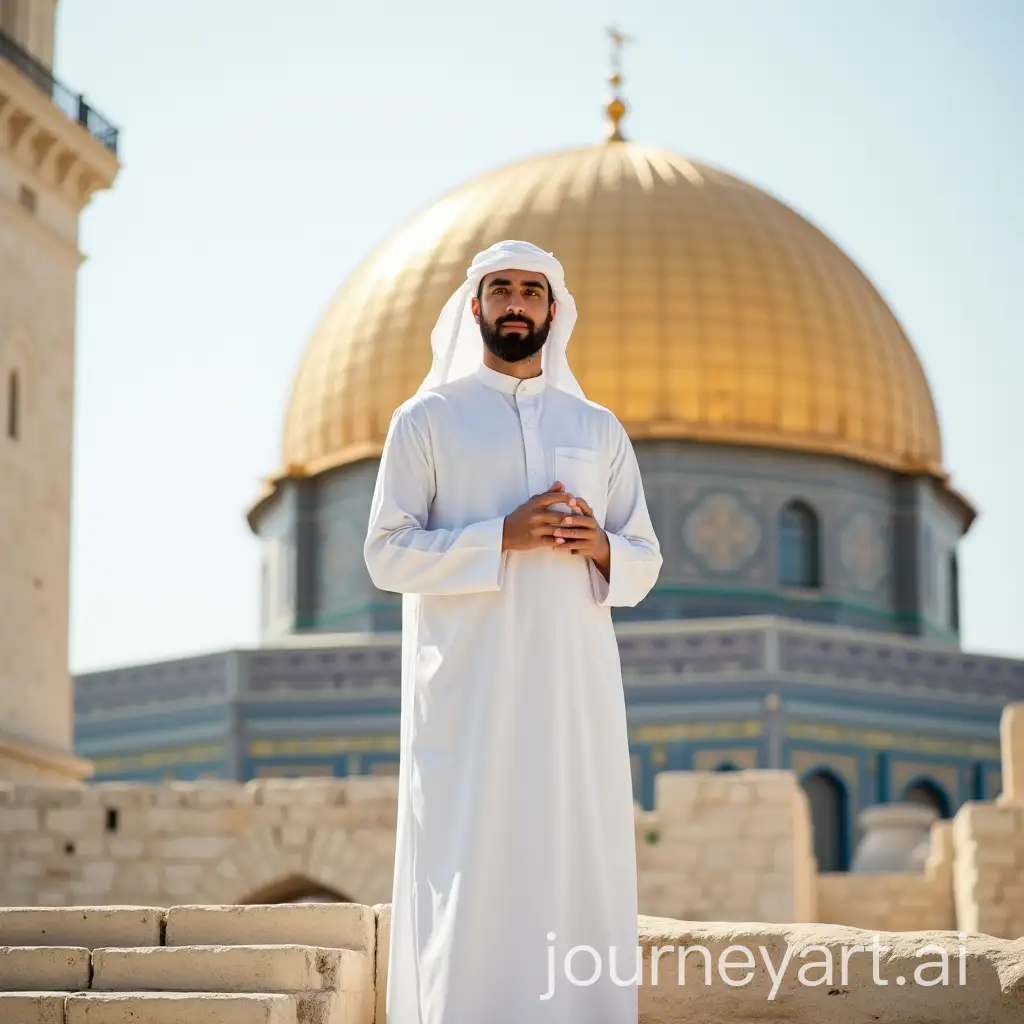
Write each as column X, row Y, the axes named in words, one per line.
column 535, row 525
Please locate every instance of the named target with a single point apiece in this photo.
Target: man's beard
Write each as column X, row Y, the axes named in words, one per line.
column 518, row 344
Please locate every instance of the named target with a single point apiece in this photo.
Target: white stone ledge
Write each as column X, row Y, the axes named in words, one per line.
column 43, row 969
column 32, row 1007
column 180, row 1008
column 90, row 927
column 258, row 968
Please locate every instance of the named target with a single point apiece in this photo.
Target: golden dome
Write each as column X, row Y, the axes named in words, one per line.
column 708, row 310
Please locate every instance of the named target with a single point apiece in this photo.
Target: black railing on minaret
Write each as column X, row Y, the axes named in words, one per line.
column 72, row 104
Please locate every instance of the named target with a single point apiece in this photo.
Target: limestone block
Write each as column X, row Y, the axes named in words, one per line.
column 180, row 1008
column 32, row 1007
column 122, row 794
column 261, row 968
column 35, row 846
column 159, row 820
column 675, row 794
column 43, row 969
column 193, row 847
column 101, row 872
column 366, row 789
column 741, row 973
column 670, row 857
column 772, row 786
column 71, row 820
column 19, row 819
column 774, row 904
column 739, row 795
column 87, row 891
column 120, row 846
column 295, row 836
column 996, row 854
column 382, row 917
column 90, row 927
column 332, row 925
column 977, row 821
column 25, row 869
column 88, row 845
column 781, row 855
column 1011, row 743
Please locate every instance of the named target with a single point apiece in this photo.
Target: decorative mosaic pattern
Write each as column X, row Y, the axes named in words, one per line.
column 863, row 552
column 957, row 673
column 722, row 532
column 301, row 673
column 692, row 653
column 881, row 739
column 163, row 683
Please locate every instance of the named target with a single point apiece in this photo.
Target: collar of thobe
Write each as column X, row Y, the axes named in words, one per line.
column 508, row 384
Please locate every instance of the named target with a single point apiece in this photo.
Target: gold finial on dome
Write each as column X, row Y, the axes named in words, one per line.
column 616, row 108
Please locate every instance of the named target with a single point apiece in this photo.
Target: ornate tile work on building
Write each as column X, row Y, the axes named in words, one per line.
column 864, row 552
column 161, row 683
column 882, row 739
column 722, row 533
column 952, row 672
column 685, row 653
column 304, row 672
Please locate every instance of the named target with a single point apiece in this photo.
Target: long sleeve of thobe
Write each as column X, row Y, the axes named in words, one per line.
column 401, row 554
column 635, row 551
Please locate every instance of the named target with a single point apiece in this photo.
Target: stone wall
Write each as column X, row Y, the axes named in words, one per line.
column 718, row 845
column 895, row 902
column 728, row 846
column 204, row 842
column 725, row 846
column 988, row 876
column 330, row 964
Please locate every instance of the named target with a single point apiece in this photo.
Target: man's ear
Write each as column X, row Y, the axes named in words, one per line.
column 475, row 306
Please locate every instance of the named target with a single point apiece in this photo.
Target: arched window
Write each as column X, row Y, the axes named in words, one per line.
column 828, row 799
column 13, row 405
column 799, row 546
column 928, row 794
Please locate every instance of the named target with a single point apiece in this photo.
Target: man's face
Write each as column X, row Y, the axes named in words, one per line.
column 514, row 310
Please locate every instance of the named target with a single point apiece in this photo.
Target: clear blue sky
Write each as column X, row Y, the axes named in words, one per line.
column 268, row 146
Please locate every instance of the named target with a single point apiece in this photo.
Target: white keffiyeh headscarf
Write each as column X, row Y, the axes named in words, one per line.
column 456, row 341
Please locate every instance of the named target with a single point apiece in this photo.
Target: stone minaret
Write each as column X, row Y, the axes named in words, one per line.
column 55, row 153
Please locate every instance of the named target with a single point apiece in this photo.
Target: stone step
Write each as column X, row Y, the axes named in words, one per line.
column 43, row 969
column 206, row 1008
column 278, row 968
column 89, row 927
column 180, row 1008
column 331, row 925
column 32, row 1007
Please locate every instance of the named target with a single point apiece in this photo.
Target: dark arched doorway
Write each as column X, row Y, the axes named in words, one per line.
column 296, row 889
column 927, row 793
column 829, row 801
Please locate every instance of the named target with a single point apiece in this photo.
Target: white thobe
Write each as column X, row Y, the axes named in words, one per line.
column 515, row 837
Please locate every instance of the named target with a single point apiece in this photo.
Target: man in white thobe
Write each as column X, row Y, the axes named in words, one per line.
column 510, row 513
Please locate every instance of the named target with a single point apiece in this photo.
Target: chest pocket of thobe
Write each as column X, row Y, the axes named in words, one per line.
column 579, row 469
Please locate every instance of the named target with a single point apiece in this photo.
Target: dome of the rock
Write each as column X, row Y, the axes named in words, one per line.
column 709, row 310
